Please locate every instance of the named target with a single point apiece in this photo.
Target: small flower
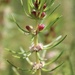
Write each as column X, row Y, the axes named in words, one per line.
column 29, row 28
column 37, row 66
column 36, row 47
column 41, row 27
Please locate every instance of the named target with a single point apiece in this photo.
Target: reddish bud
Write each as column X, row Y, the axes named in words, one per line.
column 36, row 5
column 44, row 6
column 33, row 12
column 29, row 28
column 43, row 14
column 41, row 27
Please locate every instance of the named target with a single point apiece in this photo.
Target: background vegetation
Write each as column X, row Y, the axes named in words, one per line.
column 11, row 37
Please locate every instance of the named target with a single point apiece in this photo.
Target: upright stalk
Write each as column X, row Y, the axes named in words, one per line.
column 38, row 72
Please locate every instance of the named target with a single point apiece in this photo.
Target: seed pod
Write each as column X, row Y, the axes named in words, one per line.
column 41, row 27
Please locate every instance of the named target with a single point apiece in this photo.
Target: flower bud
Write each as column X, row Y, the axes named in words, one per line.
column 29, row 28
column 41, row 27
column 43, row 14
column 33, row 12
column 36, row 5
column 44, row 6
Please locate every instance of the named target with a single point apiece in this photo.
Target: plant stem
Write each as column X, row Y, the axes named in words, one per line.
column 38, row 72
column 36, row 40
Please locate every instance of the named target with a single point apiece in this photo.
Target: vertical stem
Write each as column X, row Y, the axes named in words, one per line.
column 38, row 72
column 36, row 40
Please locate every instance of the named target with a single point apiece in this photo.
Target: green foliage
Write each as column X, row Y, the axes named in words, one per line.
column 38, row 11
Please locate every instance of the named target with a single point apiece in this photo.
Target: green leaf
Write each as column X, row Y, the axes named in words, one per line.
column 51, row 2
column 54, row 59
column 18, row 25
column 26, row 56
column 40, row 58
column 54, row 9
column 41, row 4
column 29, row 7
column 12, row 51
column 16, row 56
column 46, row 70
column 49, row 5
column 55, row 43
column 52, row 23
column 27, row 70
column 31, row 3
column 55, row 40
column 27, row 53
column 24, row 9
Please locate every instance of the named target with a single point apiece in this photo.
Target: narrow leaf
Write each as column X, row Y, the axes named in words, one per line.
column 52, row 23
column 59, row 41
column 49, row 5
column 56, row 43
column 31, row 4
column 51, row 2
column 41, row 4
column 55, row 40
column 24, row 9
column 46, row 70
column 40, row 58
column 17, row 67
column 54, row 9
column 18, row 25
column 56, row 67
column 14, row 52
column 26, row 57
column 54, row 59
column 29, row 7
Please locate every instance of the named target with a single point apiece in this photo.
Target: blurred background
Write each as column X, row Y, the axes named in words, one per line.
column 12, row 38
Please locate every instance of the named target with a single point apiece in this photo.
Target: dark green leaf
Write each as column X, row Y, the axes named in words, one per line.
column 29, row 7
column 55, row 43
column 18, row 25
column 52, row 23
column 46, row 70
column 54, row 9
column 41, row 4
column 24, row 9
column 51, row 2
column 54, row 59
column 49, row 5
column 17, row 67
